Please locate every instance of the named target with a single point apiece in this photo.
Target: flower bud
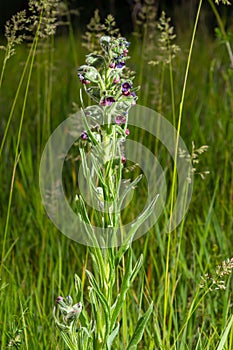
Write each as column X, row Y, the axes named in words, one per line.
column 116, row 80
column 84, row 135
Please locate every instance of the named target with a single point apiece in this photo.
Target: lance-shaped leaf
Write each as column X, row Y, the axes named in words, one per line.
column 79, row 296
column 225, row 334
column 128, row 278
column 68, row 341
column 95, row 60
column 128, row 240
column 140, row 219
column 90, row 73
column 112, row 336
column 101, row 299
column 138, row 333
column 129, row 188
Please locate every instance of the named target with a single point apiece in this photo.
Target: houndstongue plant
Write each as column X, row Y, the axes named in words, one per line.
column 106, row 81
column 105, row 78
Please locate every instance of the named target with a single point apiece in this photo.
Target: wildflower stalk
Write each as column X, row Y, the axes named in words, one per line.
column 105, row 83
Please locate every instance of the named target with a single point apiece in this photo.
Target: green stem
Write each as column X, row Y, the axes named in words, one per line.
column 181, row 110
column 172, row 92
column 192, row 309
column 15, row 99
column 33, row 52
column 4, row 65
column 167, row 274
column 221, row 26
column 143, row 49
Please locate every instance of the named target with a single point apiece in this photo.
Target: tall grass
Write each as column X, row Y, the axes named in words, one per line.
column 39, row 88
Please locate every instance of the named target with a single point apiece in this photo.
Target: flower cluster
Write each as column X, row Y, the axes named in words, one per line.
column 104, row 80
column 119, row 51
column 217, row 279
column 70, row 312
column 103, row 76
column 225, row 268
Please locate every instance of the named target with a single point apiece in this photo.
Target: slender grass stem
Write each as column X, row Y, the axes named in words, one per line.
column 33, row 53
column 167, row 274
column 172, row 92
column 16, row 99
column 192, row 309
column 181, row 109
column 3, row 66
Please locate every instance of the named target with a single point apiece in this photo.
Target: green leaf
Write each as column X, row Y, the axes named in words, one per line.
column 136, row 268
column 139, row 330
column 225, row 335
column 95, row 60
column 117, row 306
column 83, row 215
column 126, row 244
column 129, row 276
column 79, row 296
column 129, row 188
column 68, row 341
column 140, row 219
column 101, row 299
column 112, row 336
column 105, row 41
column 90, row 73
column 3, row 286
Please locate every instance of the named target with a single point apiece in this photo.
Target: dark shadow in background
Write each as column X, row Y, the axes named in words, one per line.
column 122, row 11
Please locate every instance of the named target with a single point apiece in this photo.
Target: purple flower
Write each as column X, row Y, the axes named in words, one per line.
column 123, row 160
column 126, row 87
column 126, row 93
column 134, row 98
column 112, row 65
column 108, row 101
column 120, row 119
column 120, row 64
column 82, row 79
column 84, row 135
column 59, row 299
column 116, row 80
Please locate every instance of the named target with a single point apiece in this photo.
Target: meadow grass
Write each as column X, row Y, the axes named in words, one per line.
column 39, row 263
